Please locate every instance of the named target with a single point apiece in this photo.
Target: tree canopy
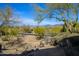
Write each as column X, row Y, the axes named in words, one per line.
column 65, row 12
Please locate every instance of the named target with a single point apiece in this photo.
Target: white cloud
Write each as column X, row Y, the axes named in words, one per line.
column 27, row 21
column 50, row 22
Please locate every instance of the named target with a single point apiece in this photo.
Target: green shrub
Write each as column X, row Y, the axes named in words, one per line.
column 54, row 30
column 40, row 31
column 9, row 30
column 14, row 31
column 77, row 28
column 5, row 30
column 26, row 29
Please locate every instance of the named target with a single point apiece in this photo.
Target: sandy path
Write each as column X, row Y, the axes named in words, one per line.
column 31, row 39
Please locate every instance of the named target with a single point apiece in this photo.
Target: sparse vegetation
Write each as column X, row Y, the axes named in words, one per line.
column 55, row 30
column 39, row 31
column 26, row 29
column 25, row 37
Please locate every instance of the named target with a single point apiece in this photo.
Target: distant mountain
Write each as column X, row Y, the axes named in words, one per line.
column 45, row 25
column 51, row 25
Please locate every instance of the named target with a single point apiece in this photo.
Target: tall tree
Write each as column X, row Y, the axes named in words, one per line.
column 62, row 12
column 6, row 17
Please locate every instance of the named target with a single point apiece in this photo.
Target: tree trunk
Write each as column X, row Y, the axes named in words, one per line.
column 67, row 27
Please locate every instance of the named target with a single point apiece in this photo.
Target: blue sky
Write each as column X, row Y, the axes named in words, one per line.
column 26, row 13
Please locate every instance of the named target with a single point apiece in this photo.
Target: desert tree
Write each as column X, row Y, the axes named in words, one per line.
column 39, row 14
column 65, row 12
column 7, row 19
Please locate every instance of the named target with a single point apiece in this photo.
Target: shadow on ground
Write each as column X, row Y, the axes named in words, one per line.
column 46, row 52
column 65, row 47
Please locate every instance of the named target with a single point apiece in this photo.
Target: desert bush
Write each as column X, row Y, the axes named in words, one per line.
column 4, row 30
column 56, row 29
column 26, row 29
column 14, row 31
column 53, row 31
column 9, row 30
column 77, row 28
column 39, row 31
column 6, row 38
